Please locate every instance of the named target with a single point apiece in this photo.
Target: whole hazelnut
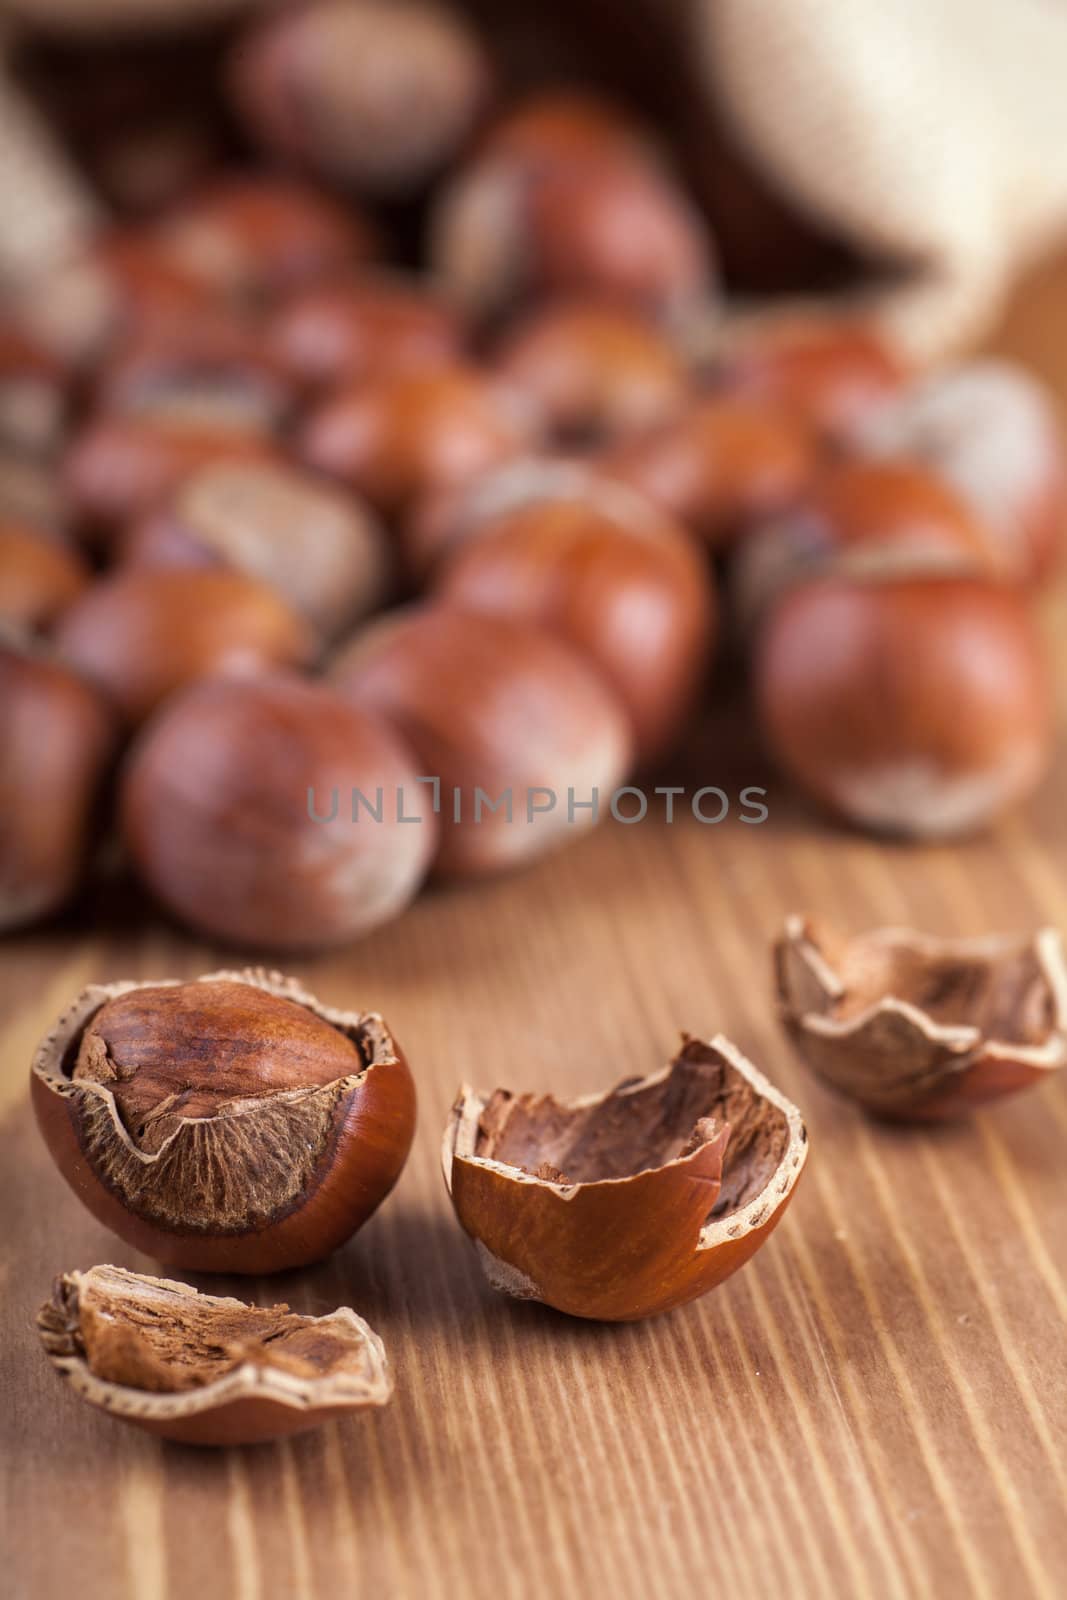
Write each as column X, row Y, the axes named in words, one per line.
column 212, row 373
column 250, row 239
column 269, row 812
column 364, row 328
column 833, row 373
column 314, row 544
column 594, row 371
column 379, row 94
column 57, row 738
column 718, row 466
column 991, row 431
column 142, row 633
column 600, row 568
column 916, row 706
column 556, row 127
column 40, row 575
column 398, row 437
column 519, row 732
column 232, row 1124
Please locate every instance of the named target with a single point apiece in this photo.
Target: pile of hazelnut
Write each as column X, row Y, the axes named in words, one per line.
column 279, row 520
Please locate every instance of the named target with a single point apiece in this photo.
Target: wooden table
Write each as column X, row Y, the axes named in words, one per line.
column 875, row 1406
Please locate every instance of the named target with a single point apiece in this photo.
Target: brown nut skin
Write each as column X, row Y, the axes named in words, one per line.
column 209, row 373
column 363, row 328
column 832, row 374
column 494, row 704
column 57, row 740
column 594, row 371
column 304, row 1128
column 225, row 804
column 378, row 94
column 558, row 127
column 403, row 436
column 105, row 1328
column 40, row 575
column 920, row 1029
column 249, row 240
column 719, row 466
column 690, row 1171
column 312, row 543
column 991, row 431
column 142, row 633
column 910, row 706
column 601, row 569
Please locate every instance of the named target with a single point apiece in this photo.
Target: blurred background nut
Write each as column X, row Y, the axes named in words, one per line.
column 33, row 401
column 556, row 126
column 492, row 704
column 57, row 738
column 213, row 373
column 378, row 94
column 364, row 327
column 40, row 575
column 315, row 545
column 216, row 809
column 142, row 633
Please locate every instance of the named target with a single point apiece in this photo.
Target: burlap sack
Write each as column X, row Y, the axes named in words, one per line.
column 925, row 133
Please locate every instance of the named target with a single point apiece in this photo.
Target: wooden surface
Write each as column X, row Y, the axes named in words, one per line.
column 875, row 1406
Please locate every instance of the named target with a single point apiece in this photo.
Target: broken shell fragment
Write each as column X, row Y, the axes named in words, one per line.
column 915, row 1027
column 625, row 1204
column 203, row 1370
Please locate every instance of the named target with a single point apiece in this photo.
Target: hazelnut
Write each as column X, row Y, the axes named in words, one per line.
column 557, row 127
column 918, row 1028
column 33, row 398
column 57, row 737
column 361, row 329
column 594, row 371
column 142, row 633
column 508, row 719
column 399, row 437
column 40, row 575
column 991, row 431
column 832, row 373
column 313, row 544
column 602, row 569
column 203, row 1370
column 909, row 705
column 375, row 93
column 119, row 466
column 504, row 231
column 251, row 239
column 240, row 809
column 622, row 1205
column 719, row 466
column 211, row 374
column 233, row 1124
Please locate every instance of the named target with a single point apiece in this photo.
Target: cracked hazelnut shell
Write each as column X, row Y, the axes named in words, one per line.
column 914, row 1027
column 204, row 1370
column 231, row 1124
column 622, row 1205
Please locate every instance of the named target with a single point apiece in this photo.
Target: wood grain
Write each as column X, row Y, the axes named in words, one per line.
column 875, row 1406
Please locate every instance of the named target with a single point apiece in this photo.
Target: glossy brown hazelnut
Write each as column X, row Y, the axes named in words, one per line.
column 557, row 127
column 203, row 1370
column 626, row 1204
column 832, row 373
column 314, row 544
column 40, row 575
column 232, row 1124
column 270, row 813
column 991, row 431
column 364, row 328
column 916, row 1028
column 619, row 229
column 57, row 738
column 602, row 569
column 250, row 239
column 399, row 437
column 378, row 94
column 142, row 633
column 594, row 371
column 719, row 466
column 861, row 516
column 213, row 373
column 914, row 706
column 517, row 729
column 118, row 467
